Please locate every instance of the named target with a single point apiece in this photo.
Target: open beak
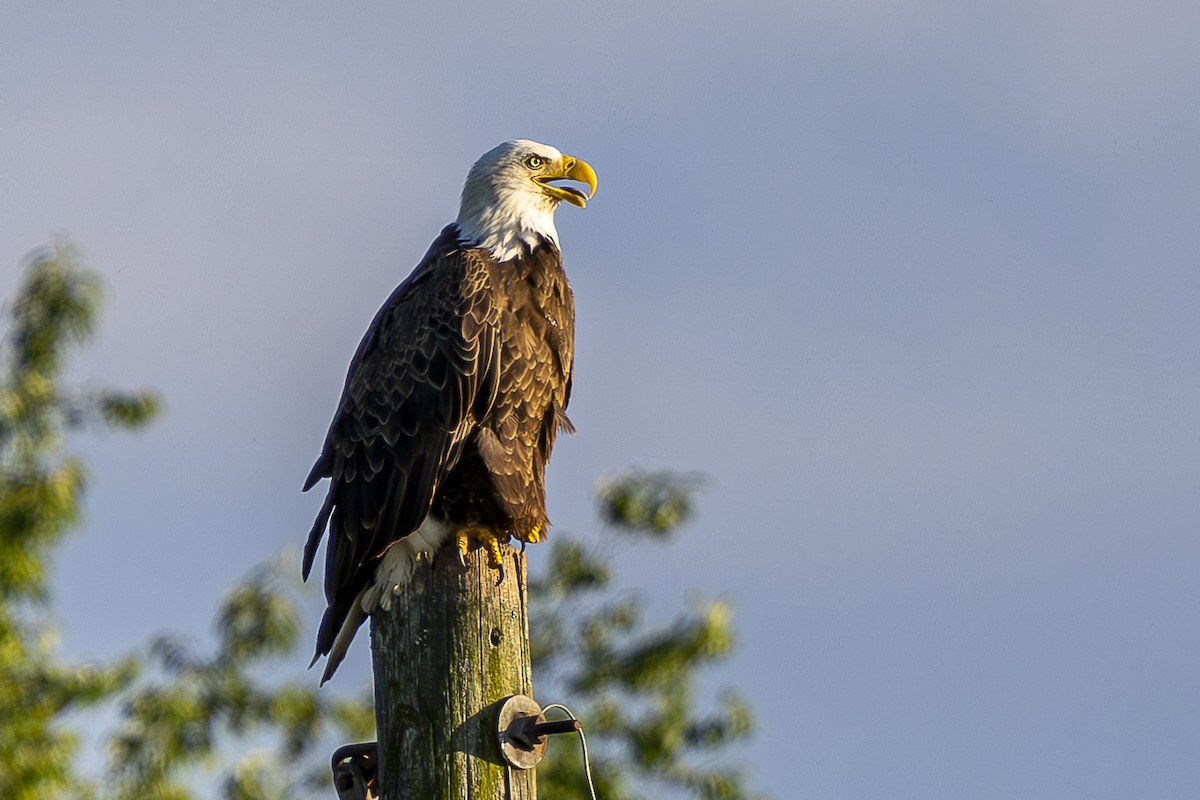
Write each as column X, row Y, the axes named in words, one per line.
column 569, row 169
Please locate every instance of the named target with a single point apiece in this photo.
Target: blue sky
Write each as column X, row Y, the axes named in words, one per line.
column 915, row 283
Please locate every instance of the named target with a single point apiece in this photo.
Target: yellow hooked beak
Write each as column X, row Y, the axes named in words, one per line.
column 569, row 169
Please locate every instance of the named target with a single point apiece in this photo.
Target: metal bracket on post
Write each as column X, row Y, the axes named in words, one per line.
column 356, row 771
column 522, row 730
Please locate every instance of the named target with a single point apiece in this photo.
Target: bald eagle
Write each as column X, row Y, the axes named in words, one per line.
column 455, row 395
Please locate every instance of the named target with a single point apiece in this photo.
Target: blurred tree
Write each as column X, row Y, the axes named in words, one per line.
column 270, row 739
column 178, row 710
column 54, row 308
column 634, row 686
column 183, row 714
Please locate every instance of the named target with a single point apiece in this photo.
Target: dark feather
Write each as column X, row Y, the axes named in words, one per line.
column 450, row 407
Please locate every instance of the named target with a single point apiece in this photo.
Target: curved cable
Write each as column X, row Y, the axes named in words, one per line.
column 587, row 764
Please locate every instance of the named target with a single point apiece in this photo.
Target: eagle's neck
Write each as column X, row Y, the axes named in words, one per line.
column 516, row 224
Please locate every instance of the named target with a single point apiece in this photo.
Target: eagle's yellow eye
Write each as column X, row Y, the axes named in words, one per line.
column 535, row 162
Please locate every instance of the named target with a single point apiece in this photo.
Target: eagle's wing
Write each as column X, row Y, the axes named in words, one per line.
column 534, row 394
column 425, row 372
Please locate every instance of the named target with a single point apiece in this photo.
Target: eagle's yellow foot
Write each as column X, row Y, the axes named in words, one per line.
column 495, row 556
column 482, row 537
column 462, row 543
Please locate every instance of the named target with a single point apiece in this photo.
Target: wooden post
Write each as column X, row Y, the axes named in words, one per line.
column 450, row 649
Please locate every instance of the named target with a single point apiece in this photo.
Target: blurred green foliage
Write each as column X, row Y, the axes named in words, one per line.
column 635, row 686
column 41, row 487
column 242, row 712
column 648, row 504
column 190, row 714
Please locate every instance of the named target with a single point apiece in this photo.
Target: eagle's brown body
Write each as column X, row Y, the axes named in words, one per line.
column 449, row 412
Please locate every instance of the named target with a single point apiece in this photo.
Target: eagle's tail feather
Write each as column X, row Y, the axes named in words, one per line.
column 315, row 534
column 355, row 617
column 392, row 575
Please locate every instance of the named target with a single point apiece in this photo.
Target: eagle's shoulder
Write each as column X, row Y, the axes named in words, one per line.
column 430, row 338
column 425, row 369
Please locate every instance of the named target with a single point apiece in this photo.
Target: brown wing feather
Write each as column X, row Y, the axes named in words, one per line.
column 537, row 328
column 423, row 373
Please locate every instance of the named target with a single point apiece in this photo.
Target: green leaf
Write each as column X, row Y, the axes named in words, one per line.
column 652, row 504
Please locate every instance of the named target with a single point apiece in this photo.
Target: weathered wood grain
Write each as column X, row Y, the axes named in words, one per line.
column 446, row 654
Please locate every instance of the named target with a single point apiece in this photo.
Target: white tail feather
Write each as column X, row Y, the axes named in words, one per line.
column 394, row 572
column 341, row 643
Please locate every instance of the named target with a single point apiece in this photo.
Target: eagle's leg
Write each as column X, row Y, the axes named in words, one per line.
column 481, row 537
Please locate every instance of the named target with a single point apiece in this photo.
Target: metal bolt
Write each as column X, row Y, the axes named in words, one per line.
column 523, row 731
column 528, row 731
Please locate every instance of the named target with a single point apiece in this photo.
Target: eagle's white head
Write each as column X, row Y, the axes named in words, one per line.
column 509, row 199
